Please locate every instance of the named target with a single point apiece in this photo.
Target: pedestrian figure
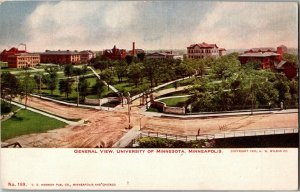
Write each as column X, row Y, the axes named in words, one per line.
column 281, row 105
column 198, row 132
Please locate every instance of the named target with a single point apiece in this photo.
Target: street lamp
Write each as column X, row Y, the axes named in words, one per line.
column 77, row 80
column 141, row 121
column 128, row 103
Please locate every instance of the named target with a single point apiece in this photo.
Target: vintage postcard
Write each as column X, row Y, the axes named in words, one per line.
column 158, row 95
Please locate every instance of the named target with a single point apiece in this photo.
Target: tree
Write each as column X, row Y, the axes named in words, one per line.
column 98, row 87
column 224, row 67
column 121, row 70
column 141, row 56
column 50, row 78
column 9, row 86
column 38, row 81
column 135, row 73
column 65, row 86
column 291, row 58
column 83, row 87
column 68, row 70
column 129, row 59
column 27, row 85
column 283, row 88
column 108, row 76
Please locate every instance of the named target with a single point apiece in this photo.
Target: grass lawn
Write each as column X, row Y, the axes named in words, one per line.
column 26, row 122
column 179, row 84
column 175, row 102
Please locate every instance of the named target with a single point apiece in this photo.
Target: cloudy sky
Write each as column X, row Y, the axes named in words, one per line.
column 98, row 25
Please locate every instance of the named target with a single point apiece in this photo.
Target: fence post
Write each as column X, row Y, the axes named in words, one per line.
column 196, row 137
column 186, row 138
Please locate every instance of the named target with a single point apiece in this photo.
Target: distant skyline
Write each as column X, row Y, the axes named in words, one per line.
column 98, row 25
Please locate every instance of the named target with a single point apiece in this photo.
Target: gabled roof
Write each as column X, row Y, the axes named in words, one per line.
column 203, row 45
column 280, row 65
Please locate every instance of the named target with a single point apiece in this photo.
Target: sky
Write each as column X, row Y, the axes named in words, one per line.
column 98, row 25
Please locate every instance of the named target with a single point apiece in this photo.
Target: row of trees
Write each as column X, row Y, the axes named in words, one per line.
column 229, row 86
column 153, row 70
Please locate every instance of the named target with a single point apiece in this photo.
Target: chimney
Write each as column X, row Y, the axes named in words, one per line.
column 133, row 48
column 280, row 52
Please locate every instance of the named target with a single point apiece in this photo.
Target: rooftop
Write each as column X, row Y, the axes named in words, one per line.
column 67, row 52
column 259, row 54
column 203, row 45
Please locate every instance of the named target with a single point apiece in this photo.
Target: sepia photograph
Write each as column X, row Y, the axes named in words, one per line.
column 183, row 77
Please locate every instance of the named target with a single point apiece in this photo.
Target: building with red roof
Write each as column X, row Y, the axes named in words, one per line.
column 19, row 58
column 114, row 53
column 269, row 58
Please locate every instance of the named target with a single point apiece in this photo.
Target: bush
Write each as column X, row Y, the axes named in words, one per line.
column 5, row 108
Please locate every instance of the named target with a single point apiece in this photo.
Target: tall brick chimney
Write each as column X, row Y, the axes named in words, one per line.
column 133, row 48
column 280, row 52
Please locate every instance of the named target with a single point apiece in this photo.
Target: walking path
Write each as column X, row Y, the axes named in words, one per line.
column 74, row 104
column 44, row 113
column 98, row 76
column 127, row 138
column 160, row 86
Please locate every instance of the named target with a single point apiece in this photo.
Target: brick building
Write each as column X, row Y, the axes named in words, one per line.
column 114, row 53
column 270, row 58
column 267, row 57
column 19, row 58
column 203, row 50
column 60, row 57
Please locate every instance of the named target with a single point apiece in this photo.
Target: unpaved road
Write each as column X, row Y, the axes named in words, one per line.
column 104, row 128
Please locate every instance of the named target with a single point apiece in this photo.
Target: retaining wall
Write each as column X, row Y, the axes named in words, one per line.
column 103, row 101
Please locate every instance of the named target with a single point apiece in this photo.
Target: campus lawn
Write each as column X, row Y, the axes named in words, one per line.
column 27, row 122
column 175, row 102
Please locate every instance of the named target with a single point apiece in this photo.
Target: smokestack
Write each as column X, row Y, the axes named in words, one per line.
column 133, row 48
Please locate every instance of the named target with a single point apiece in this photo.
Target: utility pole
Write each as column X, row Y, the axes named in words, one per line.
column 40, row 78
column 251, row 97
column 128, row 103
column 77, row 79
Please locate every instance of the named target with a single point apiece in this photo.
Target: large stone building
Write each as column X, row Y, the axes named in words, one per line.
column 203, row 50
column 114, row 53
column 60, row 57
column 19, row 58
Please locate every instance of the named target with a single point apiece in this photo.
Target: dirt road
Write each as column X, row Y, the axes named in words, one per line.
column 104, row 128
